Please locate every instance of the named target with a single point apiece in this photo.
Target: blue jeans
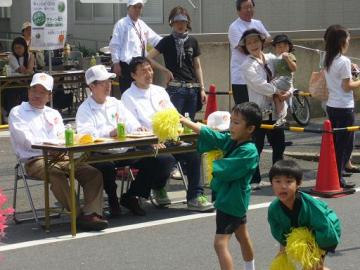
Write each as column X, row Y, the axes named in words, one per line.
column 192, row 164
column 184, row 99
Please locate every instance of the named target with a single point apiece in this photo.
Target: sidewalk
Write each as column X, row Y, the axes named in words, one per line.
column 306, row 146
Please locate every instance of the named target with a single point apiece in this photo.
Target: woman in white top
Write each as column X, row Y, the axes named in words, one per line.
column 20, row 62
column 258, row 74
column 340, row 104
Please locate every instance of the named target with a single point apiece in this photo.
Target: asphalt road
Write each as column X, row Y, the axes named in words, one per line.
column 171, row 238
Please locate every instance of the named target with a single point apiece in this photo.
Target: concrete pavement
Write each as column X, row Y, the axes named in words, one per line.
column 171, row 238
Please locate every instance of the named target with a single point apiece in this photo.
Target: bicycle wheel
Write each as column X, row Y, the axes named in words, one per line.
column 301, row 110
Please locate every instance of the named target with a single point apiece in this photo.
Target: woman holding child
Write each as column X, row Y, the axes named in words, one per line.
column 258, row 72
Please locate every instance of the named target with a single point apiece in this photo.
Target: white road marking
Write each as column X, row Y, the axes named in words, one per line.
column 121, row 229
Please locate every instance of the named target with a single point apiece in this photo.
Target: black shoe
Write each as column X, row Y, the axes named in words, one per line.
column 132, row 203
column 347, row 185
column 352, row 170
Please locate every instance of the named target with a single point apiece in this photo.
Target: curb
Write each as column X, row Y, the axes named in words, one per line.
column 355, row 157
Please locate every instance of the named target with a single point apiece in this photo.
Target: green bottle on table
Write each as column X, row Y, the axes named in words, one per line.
column 69, row 135
column 187, row 130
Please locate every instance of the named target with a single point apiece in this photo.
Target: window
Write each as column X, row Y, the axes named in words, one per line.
column 5, row 12
column 153, row 11
column 94, row 13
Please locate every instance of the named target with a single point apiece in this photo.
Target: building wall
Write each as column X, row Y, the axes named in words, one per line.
column 214, row 16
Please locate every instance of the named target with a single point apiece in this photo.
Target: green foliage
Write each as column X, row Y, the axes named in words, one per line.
column 86, row 52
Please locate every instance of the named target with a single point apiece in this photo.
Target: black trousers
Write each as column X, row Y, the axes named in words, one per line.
column 240, row 93
column 125, row 79
column 343, row 141
column 153, row 174
column 276, row 138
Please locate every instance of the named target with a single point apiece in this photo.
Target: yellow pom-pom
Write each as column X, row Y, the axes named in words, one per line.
column 210, row 157
column 301, row 247
column 282, row 262
column 165, row 125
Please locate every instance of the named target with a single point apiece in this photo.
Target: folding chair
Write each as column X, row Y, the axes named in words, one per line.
column 126, row 175
column 20, row 174
column 184, row 181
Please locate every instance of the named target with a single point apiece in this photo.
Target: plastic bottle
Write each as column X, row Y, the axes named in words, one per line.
column 92, row 61
column 187, row 130
column 121, row 131
column 69, row 135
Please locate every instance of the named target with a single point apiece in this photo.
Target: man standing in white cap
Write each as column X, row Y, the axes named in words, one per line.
column 99, row 115
column 130, row 38
column 33, row 122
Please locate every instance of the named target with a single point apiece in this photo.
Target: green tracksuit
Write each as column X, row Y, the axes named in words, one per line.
column 307, row 212
column 231, row 174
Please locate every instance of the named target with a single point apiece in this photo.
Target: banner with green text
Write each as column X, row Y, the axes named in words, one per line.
column 48, row 24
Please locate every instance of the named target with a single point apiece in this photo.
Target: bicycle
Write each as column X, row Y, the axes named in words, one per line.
column 300, row 107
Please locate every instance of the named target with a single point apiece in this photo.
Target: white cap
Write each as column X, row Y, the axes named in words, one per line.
column 98, row 73
column 219, row 120
column 135, row 2
column 43, row 79
column 25, row 25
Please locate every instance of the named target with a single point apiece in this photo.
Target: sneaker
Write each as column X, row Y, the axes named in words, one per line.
column 132, row 203
column 255, row 186
column 175, row 174
column 200, row 203
column 92, row 222
column 280, row 122
column 266, row 112
column 160, row 196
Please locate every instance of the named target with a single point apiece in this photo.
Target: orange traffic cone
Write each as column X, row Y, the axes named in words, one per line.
column 211, row 105
column 327, row 180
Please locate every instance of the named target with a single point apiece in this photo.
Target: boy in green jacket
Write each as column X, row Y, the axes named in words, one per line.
column 231, row 178
column 292, row 209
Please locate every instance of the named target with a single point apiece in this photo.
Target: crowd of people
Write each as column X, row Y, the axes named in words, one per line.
column 262, row 84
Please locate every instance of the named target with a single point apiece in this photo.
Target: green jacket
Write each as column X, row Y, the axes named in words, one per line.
column 231, row 174
column 314, row 214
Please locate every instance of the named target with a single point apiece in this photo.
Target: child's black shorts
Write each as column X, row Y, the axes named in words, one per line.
column 227, row 224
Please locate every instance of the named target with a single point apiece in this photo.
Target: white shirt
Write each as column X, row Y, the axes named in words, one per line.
column 260, row 91
column 100, row 119
column 236, row 30
column 14, row 64
column 143, row 103
column 340, row 69
column 125, row 42
column 29, row 125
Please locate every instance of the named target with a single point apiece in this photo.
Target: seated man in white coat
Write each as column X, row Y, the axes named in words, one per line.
column 98, row 115
column 34, row 123
column 144, row 99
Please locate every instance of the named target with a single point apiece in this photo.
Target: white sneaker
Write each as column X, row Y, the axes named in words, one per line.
column 175, row 174
column 200, row 204
column 160, row 196
column 255, row 186
column 280, row 122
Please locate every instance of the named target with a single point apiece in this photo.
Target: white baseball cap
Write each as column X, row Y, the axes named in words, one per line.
column 219, row 120
column 25, row 25
column 98, row 73
column 135, row 2
column 43, row 79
